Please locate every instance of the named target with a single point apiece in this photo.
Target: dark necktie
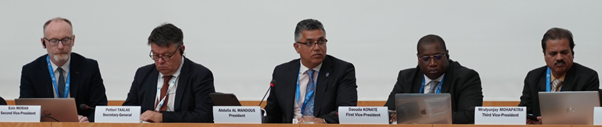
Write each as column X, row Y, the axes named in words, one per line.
column 311, row 86
column 61, row 87
column 164, row 93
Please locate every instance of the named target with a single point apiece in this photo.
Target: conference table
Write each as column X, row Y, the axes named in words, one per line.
column 72, row 124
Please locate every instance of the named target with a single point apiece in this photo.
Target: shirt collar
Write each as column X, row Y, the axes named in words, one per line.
column 561, row 77
column 427, row 79
column 303, row 68
column 177, row 73
column 65, row 66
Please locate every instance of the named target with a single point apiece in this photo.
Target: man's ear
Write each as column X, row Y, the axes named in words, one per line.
column 43, row 44
column 296, row 46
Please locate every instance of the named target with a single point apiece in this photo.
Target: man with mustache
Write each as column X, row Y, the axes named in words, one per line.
column 436, row 73
column 559, row 74
column 174, row 88
column 313, row 87
column 62, row 73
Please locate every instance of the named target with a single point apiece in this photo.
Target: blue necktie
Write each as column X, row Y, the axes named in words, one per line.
column 61, row 87
column 311, row 86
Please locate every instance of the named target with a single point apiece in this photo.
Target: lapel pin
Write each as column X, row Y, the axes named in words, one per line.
column 327, row 74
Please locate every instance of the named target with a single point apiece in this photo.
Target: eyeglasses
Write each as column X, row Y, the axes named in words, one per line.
column 436, row 57
column 310, row 44
column 165, row 58
column 55, row 42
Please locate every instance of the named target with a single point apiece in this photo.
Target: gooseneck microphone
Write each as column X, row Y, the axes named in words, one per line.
column 266, row 92
column 85, row 107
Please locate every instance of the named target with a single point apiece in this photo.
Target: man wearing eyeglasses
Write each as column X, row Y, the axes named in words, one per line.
column 174, row 89
column 436, row 73
column 310, row 89
column 62, row 73
column 559, row 74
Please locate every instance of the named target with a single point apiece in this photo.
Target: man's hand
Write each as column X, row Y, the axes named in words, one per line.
column 82, row 119
column 315, row 119
column 393, row 117
column 529, row 121
column 151, row 116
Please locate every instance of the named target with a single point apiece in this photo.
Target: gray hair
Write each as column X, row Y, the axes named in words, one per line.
column 307, row 24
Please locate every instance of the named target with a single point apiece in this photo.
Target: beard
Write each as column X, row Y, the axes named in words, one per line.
column 61, row 57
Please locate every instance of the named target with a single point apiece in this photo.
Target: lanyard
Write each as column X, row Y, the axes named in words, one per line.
column 438, row 89
column 54, row 79
column 172, row 83
column 307, row 95
column 548, row 79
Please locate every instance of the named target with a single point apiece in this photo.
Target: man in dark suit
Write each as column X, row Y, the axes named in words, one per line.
column 174, row 89
column 63, row 74
column 559, row 74
column 313, row 86
column 436, row 73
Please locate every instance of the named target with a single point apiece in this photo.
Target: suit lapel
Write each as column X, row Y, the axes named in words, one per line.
column 291, row 87
column 322, row 84
column 182, row 81
column 448, row 78
column 417, row 82
column 75, row 70
column 45, row 80
column 151, row 87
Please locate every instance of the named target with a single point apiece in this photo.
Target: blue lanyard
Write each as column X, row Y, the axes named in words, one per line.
column 307, row 95
column 548, row 79
column 54, row 79
column 438, row 89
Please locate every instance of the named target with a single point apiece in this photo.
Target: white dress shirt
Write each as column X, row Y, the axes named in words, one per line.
column 171, row 91
column 303, row 80
column 57, row 74
column 427, row 80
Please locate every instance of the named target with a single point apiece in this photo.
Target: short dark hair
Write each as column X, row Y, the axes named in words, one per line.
column 430, row 39
column 307, row 24
column 557, row 34
column 166, row 34
column 56, row 19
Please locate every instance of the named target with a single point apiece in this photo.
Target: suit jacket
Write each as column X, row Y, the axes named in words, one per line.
column 2, row 101
column 462, row 83
column 578, row 78
column 335, row 87
column 86, row 82
column 192, row 101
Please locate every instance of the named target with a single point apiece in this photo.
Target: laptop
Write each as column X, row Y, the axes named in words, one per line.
column 415, row 108
column 224, row 99
column 568, row 107
column 53, row 109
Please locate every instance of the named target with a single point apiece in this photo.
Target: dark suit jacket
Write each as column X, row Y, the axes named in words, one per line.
column 86, row 82
column 335, row 87
column 2, row 101
column 462, row 83
column 192, row 101
column 578, row 78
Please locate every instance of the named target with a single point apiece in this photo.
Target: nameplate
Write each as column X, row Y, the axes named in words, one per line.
column 363, row 115
column 501, row 115
column 236, row 114
column 20, row 113
column 597, row 115
column 117, row 114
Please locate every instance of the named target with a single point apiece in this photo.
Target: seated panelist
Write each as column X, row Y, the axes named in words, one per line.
column 436, row 73
column 174, row 88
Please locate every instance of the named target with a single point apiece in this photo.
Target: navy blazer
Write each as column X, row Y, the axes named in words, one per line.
column 86, row 82
column 462, row 83
column 335, row 87
column 192, row 101
column 578, row 78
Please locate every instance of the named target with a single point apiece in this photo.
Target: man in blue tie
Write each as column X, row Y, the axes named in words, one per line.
column 313, row 87
column 435, row 74
column 62, row 73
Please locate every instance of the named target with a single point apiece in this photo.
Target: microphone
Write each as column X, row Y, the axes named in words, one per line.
column 85, row 107
column 335, row 114
column 266, row 92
